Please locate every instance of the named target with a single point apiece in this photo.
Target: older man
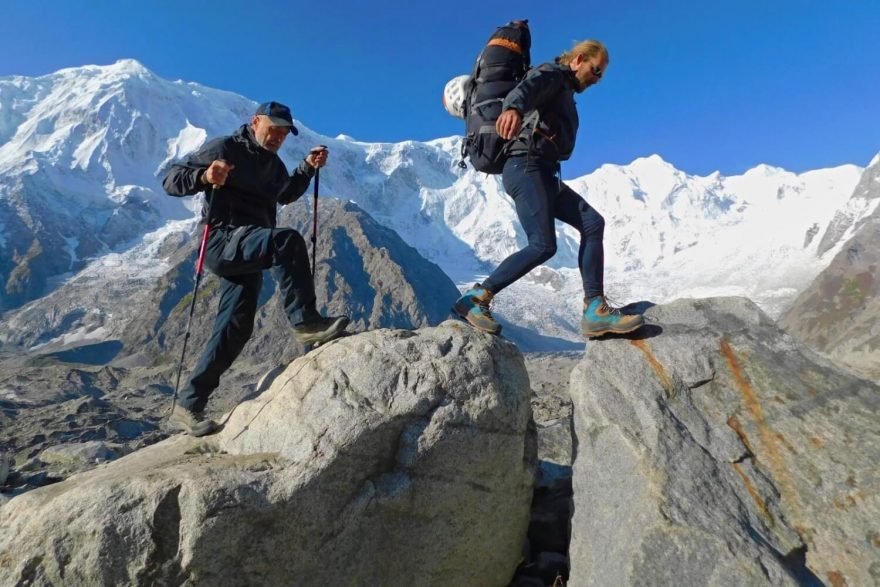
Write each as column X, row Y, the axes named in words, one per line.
column 244, row 180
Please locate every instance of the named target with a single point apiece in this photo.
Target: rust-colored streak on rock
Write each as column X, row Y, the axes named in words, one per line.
column 662, row 375
column 786, row 443
column 836, row 579
column 759, row 501
column 737, row 427
column 771, row 454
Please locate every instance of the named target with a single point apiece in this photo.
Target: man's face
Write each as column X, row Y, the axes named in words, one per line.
column 268, row 136
column 588, row 71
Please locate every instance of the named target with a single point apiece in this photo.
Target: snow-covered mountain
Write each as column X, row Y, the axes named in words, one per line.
column 83, row 151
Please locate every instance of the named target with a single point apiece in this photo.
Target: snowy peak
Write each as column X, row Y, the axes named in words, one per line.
column 764, row 170
column 652, row 164
column 130, row 67
column 121, row 70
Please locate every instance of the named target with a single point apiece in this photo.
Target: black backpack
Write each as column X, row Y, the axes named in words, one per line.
column 499, row 68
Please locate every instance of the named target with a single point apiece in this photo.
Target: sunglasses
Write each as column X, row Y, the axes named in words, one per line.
column 597, row 71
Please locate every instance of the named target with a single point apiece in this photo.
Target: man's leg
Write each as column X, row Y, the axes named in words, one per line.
column 290, row 267
column 232, row 329
column 250, row 249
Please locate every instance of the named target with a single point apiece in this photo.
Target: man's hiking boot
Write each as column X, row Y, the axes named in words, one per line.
column 473, row 307
column 320, row 330
column 599, row 318
column 193, row 423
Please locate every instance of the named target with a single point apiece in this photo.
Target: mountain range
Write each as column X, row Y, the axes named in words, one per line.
column 85, row 224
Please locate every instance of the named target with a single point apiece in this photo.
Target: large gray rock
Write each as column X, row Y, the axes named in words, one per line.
column 387, row 458
column 721, row 452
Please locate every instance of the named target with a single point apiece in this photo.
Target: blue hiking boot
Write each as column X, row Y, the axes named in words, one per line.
column 599, row 318
column 473, row 307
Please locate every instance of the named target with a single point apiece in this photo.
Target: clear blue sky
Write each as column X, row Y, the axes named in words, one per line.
column 707, row 84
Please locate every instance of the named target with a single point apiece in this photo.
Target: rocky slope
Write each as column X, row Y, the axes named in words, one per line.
column 116, row 389
column 839, row 313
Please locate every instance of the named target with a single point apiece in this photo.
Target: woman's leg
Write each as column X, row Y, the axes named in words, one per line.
column 572, row 209
column 532, row 185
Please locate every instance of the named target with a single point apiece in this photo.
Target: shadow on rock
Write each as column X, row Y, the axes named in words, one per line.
column 645, row 332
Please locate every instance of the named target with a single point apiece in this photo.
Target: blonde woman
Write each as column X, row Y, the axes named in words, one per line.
column 545, row 100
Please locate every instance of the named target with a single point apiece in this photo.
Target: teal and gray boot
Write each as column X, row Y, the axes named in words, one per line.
column 473, row 307
column 599, row 318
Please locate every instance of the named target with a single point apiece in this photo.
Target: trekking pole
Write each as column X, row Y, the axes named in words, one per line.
column 315, row 210
column 192, row 304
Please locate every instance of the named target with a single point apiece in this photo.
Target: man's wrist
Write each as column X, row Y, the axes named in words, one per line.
column 308, row 168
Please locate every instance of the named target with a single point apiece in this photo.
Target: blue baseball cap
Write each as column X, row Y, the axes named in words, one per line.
column 279, row 115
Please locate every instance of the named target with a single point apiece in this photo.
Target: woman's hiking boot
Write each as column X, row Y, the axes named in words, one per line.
column 473, row 307
column 599, row 318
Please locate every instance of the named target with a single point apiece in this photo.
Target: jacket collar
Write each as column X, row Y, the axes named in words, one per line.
column 245, row 136
column 570, row 76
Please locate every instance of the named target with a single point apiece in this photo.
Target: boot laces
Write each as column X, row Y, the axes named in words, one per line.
column 608, row 307
column 484, row 306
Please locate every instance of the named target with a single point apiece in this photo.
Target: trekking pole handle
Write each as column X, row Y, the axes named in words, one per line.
column 206, row 232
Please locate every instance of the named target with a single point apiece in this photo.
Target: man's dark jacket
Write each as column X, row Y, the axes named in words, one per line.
column 253, row 189
column 549, row 89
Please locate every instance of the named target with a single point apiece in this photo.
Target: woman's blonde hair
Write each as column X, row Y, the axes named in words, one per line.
column 588, row 49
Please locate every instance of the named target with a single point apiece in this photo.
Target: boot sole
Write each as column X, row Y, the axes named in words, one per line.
column 463, row 318
column 612, row 331
column 214, row 427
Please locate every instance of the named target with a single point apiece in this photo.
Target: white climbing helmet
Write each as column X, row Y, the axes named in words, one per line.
column 454, row 95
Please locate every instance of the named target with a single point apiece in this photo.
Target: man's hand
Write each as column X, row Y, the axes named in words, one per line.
column 508, row 124
column 217, row 172
column 318, row 157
